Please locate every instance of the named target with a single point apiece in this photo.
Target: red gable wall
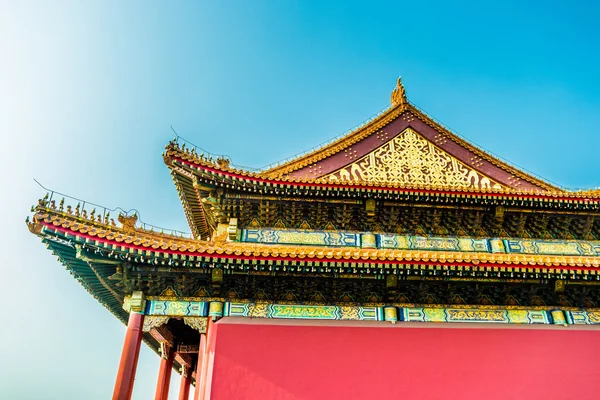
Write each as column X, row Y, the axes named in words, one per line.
column 263, row 359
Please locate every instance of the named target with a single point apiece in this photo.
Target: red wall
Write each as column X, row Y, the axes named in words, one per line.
column 264, row 359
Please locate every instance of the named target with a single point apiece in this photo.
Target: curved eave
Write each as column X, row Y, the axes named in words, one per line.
column 163, row 247
column 237, row 179
column 192, row 205
column 82, row 272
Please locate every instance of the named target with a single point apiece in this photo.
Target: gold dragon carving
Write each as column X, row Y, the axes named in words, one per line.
column 410, row 159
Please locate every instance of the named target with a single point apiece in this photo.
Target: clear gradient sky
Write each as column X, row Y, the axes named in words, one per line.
column 88, row 90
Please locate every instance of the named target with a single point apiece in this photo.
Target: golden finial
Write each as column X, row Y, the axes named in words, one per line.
column 398, row 94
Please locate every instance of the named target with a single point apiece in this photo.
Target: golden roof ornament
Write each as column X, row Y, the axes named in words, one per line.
column 128, row 222
column 398, row 94
column 223, row 162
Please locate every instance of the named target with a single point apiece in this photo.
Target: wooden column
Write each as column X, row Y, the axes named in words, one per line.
column 198, row 395
column 203, row 364
column 186, row 380
column 164, row 373
column 129, row 357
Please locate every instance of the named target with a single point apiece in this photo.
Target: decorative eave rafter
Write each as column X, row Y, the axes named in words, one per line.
column 186, row 185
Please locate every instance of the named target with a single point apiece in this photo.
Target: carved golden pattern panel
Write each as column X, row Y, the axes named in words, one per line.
column 410, row 159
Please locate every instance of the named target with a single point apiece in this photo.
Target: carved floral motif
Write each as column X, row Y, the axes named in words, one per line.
column 154, row 321
column 197, row 323
column 410, row 159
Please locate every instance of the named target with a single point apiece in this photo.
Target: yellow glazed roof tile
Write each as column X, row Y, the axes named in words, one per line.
column 135, row 238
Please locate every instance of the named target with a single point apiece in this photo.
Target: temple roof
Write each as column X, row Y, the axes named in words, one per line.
column 405, row 146
column 401, row 148
column 402, row 151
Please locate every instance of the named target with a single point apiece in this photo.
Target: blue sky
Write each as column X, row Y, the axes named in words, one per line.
column 88, row 91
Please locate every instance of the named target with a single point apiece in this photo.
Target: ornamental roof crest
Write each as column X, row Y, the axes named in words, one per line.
column 128, row 222
column 398, row 94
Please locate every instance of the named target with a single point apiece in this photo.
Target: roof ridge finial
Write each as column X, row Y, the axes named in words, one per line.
column 398, row 94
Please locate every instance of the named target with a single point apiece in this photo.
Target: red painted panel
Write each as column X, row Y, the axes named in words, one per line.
column 257, row 359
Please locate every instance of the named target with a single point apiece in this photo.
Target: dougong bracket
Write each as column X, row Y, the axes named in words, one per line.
column 134, row 302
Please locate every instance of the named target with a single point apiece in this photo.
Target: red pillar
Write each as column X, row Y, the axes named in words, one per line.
column 203, row 356
column 198, row 395
column 184, row 387
column 209, row 359
column 164, row 374
column 129, row 357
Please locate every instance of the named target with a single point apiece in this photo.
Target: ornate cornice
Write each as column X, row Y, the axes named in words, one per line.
column 212, row 172
column 224, row 301
column 140, row 241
